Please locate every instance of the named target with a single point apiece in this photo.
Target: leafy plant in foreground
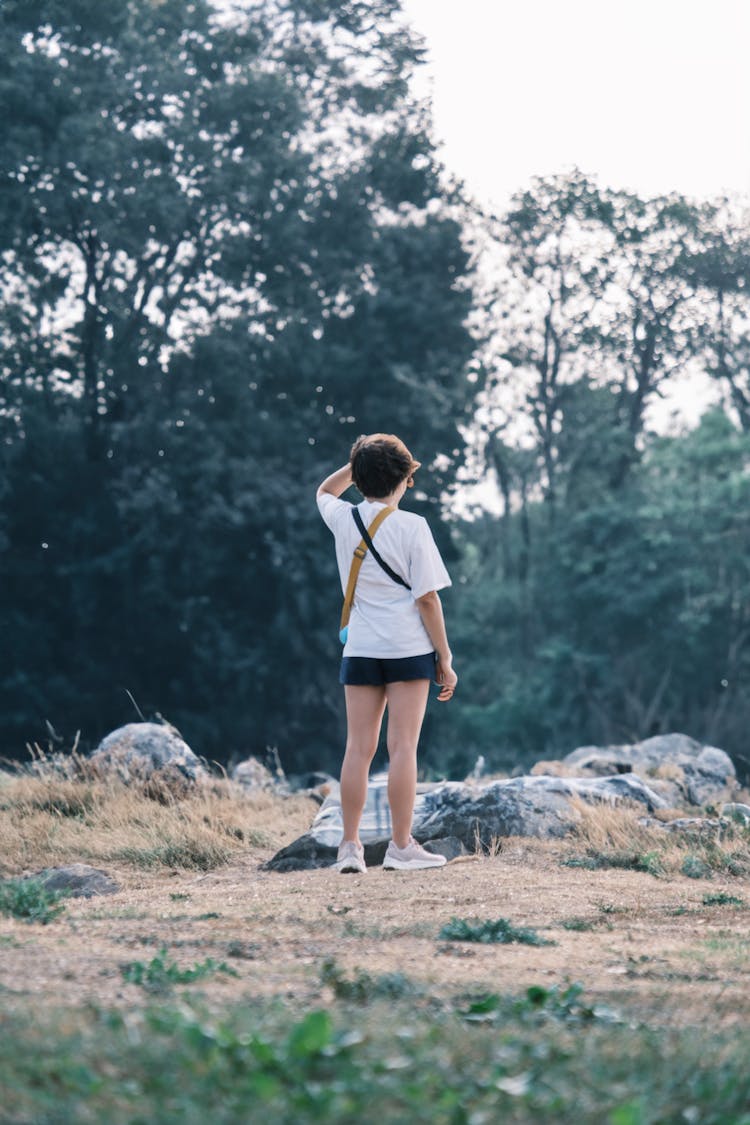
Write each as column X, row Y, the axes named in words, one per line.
column 487, row 931
column 160, row 973
column 30, row 900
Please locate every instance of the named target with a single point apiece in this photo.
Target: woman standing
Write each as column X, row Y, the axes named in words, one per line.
column 396, row 641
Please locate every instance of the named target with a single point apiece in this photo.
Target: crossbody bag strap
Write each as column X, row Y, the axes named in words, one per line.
column 359, row 553
column 378, row 558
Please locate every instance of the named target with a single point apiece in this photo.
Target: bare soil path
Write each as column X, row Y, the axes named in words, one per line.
column 650, row 945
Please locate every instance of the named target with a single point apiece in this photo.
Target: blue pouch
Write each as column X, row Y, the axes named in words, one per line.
column 343, row 634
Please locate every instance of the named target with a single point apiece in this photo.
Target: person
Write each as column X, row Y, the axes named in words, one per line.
column 396, row 644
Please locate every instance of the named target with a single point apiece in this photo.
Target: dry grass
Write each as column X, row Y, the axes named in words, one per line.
column 47, row 822
column 617, row 830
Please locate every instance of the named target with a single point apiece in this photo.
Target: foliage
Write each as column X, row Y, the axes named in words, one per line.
column 363, row 987
column 30, row 900
column 721, row 898
column 160, row 973
column 225, row 252
column 487, row 931
column 546, row 1055
column 649, row 862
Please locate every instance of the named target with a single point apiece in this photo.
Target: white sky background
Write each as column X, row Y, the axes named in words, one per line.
column 649, row 95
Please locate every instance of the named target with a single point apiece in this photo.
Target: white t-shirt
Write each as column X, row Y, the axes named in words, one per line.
column 385, row 621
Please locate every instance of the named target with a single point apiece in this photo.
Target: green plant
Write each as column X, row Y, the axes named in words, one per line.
column 578, row 924
column 695, row 868
column 562, row 1003
column 486, row 931
column 363, row 987
column 30, row 900
column 721, row 898
column 160, row 973
column 649, row 862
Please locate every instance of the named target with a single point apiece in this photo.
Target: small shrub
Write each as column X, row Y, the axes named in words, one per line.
column 160, row 973
column 649, row 862
column 362, row 987
column 578, row 924
column 30, row 900
column 486, row 931
column 562, row 1003
column 721, row 898
column 695, row 868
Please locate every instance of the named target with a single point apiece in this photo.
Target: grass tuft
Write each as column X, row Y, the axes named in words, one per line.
column 160, row 974
column 721, row 898
column 500, row 931
column 30, row 900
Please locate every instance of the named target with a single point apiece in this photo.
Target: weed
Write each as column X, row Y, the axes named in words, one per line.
column 612, row 908
column 677, row 911
column 193, row 854
column 486, row 931
column 649, row 862
column 208, row 914
column 363, row 988
column 564, row 1004
column 695, row 868
column 178, row 896
column 721, row 898
column 30, row 900
column 160, row 973
column 578, row 924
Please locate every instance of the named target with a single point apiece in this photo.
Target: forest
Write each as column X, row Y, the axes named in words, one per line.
column 229, row 247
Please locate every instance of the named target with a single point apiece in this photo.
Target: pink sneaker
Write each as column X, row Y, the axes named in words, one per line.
column 411, row 858
column 351, row 859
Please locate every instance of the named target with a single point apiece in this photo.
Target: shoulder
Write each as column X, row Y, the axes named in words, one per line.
column 332, row 509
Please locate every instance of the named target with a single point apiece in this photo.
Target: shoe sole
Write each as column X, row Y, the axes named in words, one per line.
column 350, row 869
column 411, row 865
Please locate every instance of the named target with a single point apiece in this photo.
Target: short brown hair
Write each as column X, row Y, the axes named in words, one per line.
column 380, row 462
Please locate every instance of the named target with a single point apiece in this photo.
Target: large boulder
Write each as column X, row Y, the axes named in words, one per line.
column 149, row 752
column 523, row 806
column 77, row 880
column 465, row 814
column 682, row 770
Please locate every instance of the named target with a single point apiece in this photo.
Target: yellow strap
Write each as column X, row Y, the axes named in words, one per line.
column 359, row 553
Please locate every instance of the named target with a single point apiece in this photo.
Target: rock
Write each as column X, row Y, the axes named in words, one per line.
column 149, row 752
column 252, row 774
column 735, row 811
column 453, row 815
column 306, row 853
column 78, row 880
column 521, row 806
column 678, row 767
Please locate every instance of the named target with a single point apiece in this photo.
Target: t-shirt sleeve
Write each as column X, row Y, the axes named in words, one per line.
column 426, row 568
column 332, row 509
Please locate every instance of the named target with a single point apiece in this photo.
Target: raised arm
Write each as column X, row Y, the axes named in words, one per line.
column 431, row 611
column 337, row 482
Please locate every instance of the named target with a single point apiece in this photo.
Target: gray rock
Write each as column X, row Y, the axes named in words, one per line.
column 685, row 771
column 451, row 817
column 521, row 806
column 306, row 853
column 148, row 751
column 78, row 880
column 736, row 811
column 252, row 774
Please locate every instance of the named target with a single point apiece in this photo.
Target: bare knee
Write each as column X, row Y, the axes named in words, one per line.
column 361, row 749
column 401, row 748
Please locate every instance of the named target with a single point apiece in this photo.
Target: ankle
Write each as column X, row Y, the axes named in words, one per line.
column 401, row 842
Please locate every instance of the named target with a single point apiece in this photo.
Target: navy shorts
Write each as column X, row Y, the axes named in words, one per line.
column 371, row 671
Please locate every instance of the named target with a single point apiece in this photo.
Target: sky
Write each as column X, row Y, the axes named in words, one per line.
column 649, row 95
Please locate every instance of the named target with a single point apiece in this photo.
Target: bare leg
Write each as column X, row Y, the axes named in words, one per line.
column 407, row 701
column 364, row 714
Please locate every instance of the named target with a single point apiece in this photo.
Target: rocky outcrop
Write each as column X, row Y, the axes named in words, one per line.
column 456, row 816
column 682, row 770
column 306, row 852
column 152, row 753
column 78, row 880
column 522, row 806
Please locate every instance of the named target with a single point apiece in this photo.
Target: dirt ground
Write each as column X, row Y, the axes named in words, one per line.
column 645, row 944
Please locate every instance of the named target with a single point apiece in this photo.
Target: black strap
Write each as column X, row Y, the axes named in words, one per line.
column 378, row 558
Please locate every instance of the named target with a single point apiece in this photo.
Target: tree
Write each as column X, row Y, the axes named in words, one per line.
column 229, row 255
